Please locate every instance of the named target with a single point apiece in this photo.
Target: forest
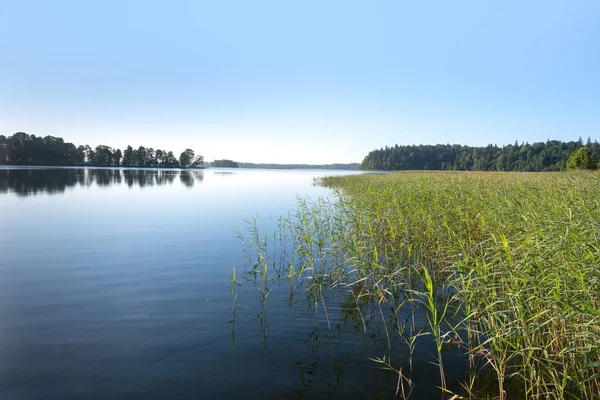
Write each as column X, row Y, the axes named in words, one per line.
column 24, row 149
column 553, row 155
column 224, row 164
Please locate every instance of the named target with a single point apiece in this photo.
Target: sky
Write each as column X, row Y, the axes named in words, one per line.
column 299, row 81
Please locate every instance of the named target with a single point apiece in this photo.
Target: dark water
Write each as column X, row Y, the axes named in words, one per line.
column 113, row 285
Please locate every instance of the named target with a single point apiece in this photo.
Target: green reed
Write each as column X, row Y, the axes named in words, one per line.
column 501, row 266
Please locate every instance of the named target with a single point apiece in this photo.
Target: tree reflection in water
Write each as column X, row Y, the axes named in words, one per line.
column 26, row 182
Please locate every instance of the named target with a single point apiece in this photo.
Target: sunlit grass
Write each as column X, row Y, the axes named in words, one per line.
column 504, row 266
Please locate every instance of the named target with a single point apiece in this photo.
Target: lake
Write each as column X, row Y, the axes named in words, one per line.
column 113, row 285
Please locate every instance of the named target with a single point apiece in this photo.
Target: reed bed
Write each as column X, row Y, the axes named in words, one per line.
column 502, row 267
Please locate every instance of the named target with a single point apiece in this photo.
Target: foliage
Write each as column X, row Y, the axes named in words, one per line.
column 186, row 157
column 549, row 156
column 502, row 266
column 197, row 161
column 24, row 149
column 224, row 164
column 580, row 159
column 189, row 159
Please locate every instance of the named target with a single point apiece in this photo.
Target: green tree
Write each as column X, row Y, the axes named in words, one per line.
column 224, row 164
column 141, row 157
column 170, row 161
column 580, row 159
column 198, row 162
column 89, row 155
column 117, row 156
column 103, row 156
column 128, row 157
column 186, row 157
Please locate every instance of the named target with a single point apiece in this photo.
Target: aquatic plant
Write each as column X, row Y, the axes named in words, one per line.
column 502, row 267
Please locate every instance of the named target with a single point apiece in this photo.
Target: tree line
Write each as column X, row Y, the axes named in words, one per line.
column 24, row 149
column 553, row 155
column 224, row 164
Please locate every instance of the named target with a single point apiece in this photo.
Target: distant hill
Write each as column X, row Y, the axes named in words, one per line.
column 351, row 166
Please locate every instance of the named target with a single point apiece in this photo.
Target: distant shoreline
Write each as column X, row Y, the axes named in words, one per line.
column 338, row 166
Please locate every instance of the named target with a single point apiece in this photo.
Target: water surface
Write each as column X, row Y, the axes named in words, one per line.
column 113, row 285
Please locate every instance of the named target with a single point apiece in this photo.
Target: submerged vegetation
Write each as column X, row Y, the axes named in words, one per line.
column 501, row 269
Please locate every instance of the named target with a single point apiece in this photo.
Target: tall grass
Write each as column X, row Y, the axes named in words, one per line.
column 504, row 266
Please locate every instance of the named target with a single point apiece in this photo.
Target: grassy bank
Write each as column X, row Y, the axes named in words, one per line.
column 503, row 267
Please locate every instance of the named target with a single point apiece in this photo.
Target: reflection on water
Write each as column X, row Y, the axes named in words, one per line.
column 112, row 293
column 27, row 182
column 224, row 173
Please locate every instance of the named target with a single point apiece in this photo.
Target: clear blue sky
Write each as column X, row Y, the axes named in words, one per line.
column 299, row 81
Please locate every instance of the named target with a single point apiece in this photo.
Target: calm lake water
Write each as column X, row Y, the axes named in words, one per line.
column 113, row 285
